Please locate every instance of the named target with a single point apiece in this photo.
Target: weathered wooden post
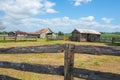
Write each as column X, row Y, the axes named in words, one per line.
column 15, row 37
column 4, row 38
column 113, row 40
column 69, row 61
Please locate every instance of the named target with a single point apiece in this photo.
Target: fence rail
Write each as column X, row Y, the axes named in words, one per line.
column 111, row 39
column 70, row 50
column 15, row 38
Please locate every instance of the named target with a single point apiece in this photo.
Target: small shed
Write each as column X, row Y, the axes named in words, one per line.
column 21, row 33
column 45, row 33
column 85, row 35
column 17, row 33
column 11, row 34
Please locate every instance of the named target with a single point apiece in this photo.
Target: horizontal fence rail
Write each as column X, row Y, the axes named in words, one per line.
column 14, row 38
column 69, row 70
column 59, row 70
column 110, row 39
column 82, row 49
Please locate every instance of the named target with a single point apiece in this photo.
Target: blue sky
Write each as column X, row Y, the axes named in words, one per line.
column 60, row 15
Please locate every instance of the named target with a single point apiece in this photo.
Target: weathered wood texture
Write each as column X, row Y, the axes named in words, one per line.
column 85, row 36
column 82, row 49
column 98, row 50
column 4, row 77
column 14, row 38
column 34, row 49
column 115, row 40
column 59, row 70
column 69, row 62
column 110, row 39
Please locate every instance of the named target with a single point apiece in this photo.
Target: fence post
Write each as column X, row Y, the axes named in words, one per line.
column 69, row 61
column 113, row 40
column 15, row 38
column 4, row 38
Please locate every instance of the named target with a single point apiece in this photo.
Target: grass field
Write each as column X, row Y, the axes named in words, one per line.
column 5, row 44
column 110, row 35
column 91, row 62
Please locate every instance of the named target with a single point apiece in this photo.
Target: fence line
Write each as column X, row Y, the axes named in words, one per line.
column 110, row 39
column 14, row 38
column 70, row 49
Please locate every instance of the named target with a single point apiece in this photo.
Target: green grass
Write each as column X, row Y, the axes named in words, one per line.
column 109, row 35
column 109, row 42
column 114, row 44
column 67, row 34
column 6, row 44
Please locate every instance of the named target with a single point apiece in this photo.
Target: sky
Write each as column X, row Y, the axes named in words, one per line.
column 60, row 15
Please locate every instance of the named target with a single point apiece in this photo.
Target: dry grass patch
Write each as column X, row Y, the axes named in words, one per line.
column 24, row 75
column 93, row 62
column 44, row 42
column 98, row 63
column 42, row 58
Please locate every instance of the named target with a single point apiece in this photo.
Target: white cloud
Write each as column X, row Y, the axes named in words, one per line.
column 26, row 8
column 2, row 26
column 65, row 24
column 80, row 2
column 107, row 20
column 89, row 18
column 19, row 16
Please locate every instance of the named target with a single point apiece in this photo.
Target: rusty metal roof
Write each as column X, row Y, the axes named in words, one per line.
column 21, row 32
column 44, row 30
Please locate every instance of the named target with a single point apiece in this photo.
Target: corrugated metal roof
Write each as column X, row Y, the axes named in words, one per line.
column 44, row 30
column 88, row 31
column 20, row 32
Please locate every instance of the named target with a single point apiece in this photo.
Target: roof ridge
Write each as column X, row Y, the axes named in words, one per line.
column 90, row 31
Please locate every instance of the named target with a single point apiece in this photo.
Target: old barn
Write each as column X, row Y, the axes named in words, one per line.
column 43, row 33
column 85, row 35
column 17, row 33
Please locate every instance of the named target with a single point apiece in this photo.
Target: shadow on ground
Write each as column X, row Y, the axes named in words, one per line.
column 4, row 77
column 59, row 70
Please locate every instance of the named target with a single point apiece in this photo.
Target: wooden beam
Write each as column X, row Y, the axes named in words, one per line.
column 69, row 61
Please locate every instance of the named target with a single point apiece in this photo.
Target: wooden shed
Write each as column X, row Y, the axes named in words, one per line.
column 21, row 33
column 17, row 33
column 85, row 35
column 43, row 33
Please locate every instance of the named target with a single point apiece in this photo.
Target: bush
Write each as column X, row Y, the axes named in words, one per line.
column 66, row 39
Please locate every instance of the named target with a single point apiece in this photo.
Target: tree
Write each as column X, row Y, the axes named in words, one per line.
column 60, row 33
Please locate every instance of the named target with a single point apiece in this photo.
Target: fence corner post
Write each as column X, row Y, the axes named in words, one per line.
column 69, row 61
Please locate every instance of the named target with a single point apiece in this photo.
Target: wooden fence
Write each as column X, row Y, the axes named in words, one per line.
column 70, row 49
column 15, row 38
column 112, row 39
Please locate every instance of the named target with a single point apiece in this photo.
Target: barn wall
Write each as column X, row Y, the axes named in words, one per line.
column 75, row 36
column 43, row 35
column 93, row 37
column 36, row 35
column 83, row 37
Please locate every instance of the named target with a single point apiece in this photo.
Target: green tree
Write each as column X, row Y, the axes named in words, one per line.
column 60, row 33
